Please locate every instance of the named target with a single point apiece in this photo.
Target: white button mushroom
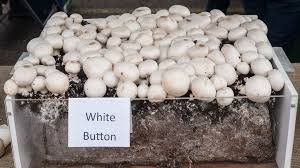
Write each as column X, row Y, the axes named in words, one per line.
column 134, row 58
column 150, row 52
column 175, row 82
column 261, row 66
column 106, row 31
column 48, row 60
column 265, row 49
column 39, row 83
column 249, row 56
column 219, row 82
column 159, row 33
column 113, row 56
column 216, row 31
column 203, row 89
column 276, row 80
column 127, row 89
column 100, row 23
column 42, row 50
column 32, row 44
column 155, row 77
column 226, row 71
column 180, row 48
column 216, row 56
column 126, row 45
column 165, row 64
column 199, row 50
column 126, row 71
column 203, row 66
column 258, row 89
column 10, row 87
column 147, row 67
column 32, row 59
column 195, row 31
column 94, row 87
column 55, row 40
column 156, row 93
column 101, row 38
column 85, row 46
column 225, row 96
column 237, row 33
column 113, row 42
column 70, row 43
column 141, row 11
column 95, row 67
column 57, row 82
column 257, row 35
column 24, row 76
column 110, row 79
column 76, row 17
column 71, row 56
column 121, row 32
column 243, row 68
column 229, row 23
column 72, row 67
column 179, row 10
column 132, row 25
column 144, row 39
column 166, row 23
column 244, row 45
column 142, row 90
column 231, row 55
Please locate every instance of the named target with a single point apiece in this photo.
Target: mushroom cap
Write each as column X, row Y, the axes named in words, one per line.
column 179, row 10
column 147, row 67
column 72, row 67
column 180, row 48
column 276, row 79
column 261, row 66
column 237, row 33
column 156, row 93
column 126, row 71
column 48, row 60
column 226, row 71
column 258, row 89
column 165, row 64
column 244, row 45
column 94, row 87
column 265, row 49
column 55, row 40
column 249, row 56
column 243, row 68
column 150, row 52
column 32, row 43
column 203, row 88
column 10, row 87
column 219, row 82
column 199, row 50
column 122, row 32
column 71, row 56
column 216, row 56
column 175, row 82
column 231, row 54
column 110, row 79
column 24, row 76
column 70, row 43
column 142, row 90
column 203, row 66
column 42, row 50
column 155, row 77
column 257, row 35
column 113, row 41
column 57, row 82
column 114, row 56
column 39, row 83
column 166, row 23
column 127, row 89
column 95, row 67
column 225, row 96
column 141, row 11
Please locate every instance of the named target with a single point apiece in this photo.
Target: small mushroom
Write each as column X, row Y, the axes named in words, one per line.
column 113, row 42
column 144, row 39
column 55, row 40
column 165, row 64
column 276, row 80
column 155, row 77
column 24, row 76
column 39, row 83
column 95, row 67
column 121, row 32
column 265, row 49
column 179, row 10
column 175, row 82
column 237, row 33
column 156, row 93
column 150, row 52
column 113, row 56
column 48, row 60
column 127, row 89
column 166, row 23
column 141, row 11
column 72, row 67
column 70, row 43
column 243, row 68
column 10, row 87
column 203, row 89
column 32, row 59
column 258, row 89
column 231, row 55
column 257, row 35
column 147, row 67
column 142, row 90
column 42, row 50
column 57, row 82
column 219, row 82
column 225, row 96
column 249, row 56
column 198, row 51
column 261, row 66
column 203, row 66
column 110, row 79
column 227, row 72
column 94, row 87
column 216, row 56
column 244, row 45
column 126, row 71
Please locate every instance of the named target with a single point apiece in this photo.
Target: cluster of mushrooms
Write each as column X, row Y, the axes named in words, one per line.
column 154, row 56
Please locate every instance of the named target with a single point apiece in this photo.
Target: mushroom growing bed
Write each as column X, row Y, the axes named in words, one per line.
column 203, row 87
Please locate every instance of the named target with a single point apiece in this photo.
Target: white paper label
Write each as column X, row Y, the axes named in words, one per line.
column 99, row 122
